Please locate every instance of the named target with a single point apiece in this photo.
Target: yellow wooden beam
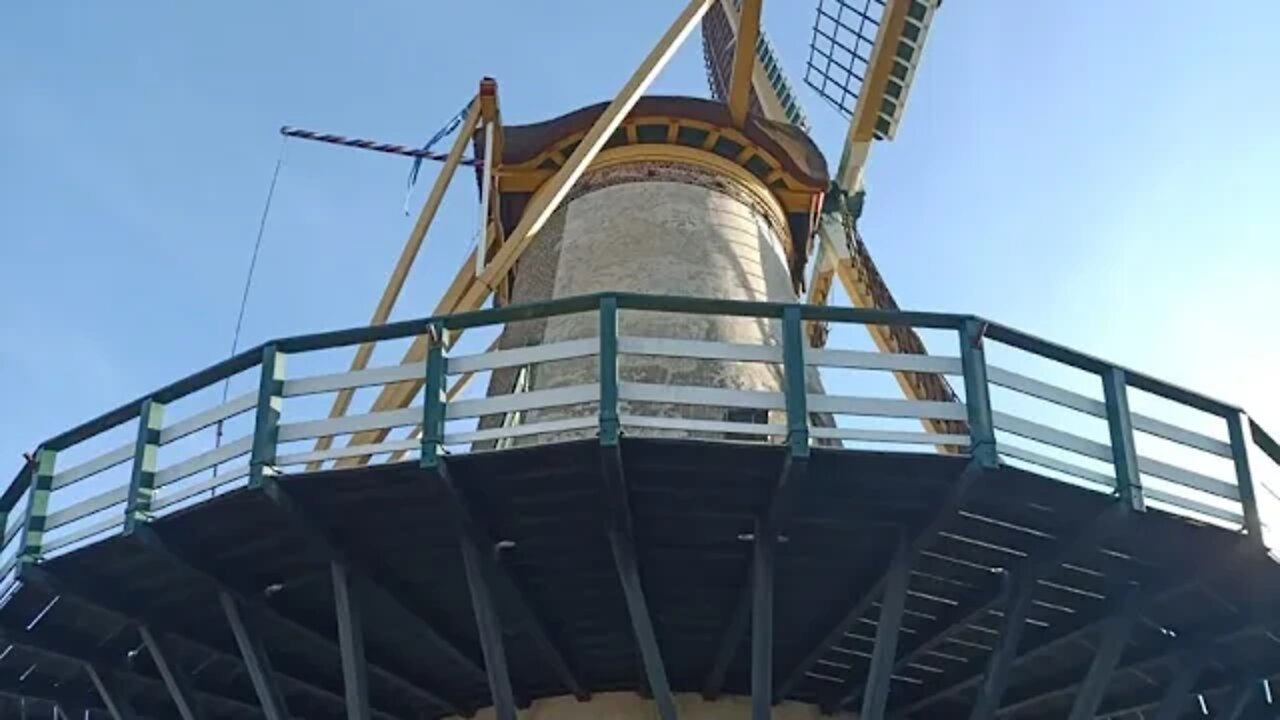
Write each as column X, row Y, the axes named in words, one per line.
column 408, row 254
column 770, row 103
column 887, row 339
column 863, row 125
column 744, row 60
column 541, row 206
column 548, row 198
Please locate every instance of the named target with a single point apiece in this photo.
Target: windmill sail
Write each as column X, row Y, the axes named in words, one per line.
column 719, row 39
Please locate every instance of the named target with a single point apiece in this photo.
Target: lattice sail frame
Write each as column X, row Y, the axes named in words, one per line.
column 840, row 54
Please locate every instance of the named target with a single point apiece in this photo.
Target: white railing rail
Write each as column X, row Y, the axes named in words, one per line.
column 52, row 508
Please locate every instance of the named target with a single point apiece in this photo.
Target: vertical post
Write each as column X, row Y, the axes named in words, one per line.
column 37, row 507
column 892, row 607
column 977, row 394
column 355, row 677
column 490, row 630
column 794, row 389
column 266, row 421
column 609, row 421
column 1123, row 450
column 142, row 479
column 765, row 549
column 433, row 400
column 1244, row 477
column 1000, row 663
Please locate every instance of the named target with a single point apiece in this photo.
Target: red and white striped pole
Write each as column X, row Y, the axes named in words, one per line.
column 363, row 144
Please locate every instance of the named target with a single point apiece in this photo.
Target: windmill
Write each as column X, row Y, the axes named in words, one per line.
column 654, row 250
column 863, row 58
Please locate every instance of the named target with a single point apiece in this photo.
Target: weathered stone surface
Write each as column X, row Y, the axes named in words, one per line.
column 660, row 228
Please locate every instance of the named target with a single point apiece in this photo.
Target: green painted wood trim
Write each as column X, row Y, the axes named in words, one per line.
column 266, row 421
column 433, row 404
column 142, row 478
column 1244, row 477
column 977, row 394
column 33, row 526
column 795, row 390
column 609, row 423
column 1124, row 451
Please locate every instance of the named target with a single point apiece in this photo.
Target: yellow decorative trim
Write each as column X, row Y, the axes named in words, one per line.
column 531, row 174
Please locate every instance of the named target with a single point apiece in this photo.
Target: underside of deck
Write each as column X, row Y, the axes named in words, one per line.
column 1190, row 597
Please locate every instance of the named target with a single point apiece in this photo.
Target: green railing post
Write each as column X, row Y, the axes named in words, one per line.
column 266, row 421
column 1124, row 453
column 433, row 403
column 609, row 421
column 977, row 394
column 794, row 387
column 1244, row 477
column 142, row 478
column 37, row 507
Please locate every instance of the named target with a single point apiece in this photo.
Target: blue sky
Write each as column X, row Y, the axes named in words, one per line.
column 1102, row 174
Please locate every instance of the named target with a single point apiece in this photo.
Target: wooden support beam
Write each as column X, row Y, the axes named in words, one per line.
column 103, row 600
column 753, row 603
column 764, row 552
column 472, row 529
column 355, row 676
column 730, row 640
column 175, row 680
column 770, row 104
column 1071, row 633
column 875, row 585
column 876, row 78
column 642, row 626
column 1031, row 570
column 1205, row 642
column 113, row 696
column 456, row 389
column 380, row 591
column 256, row 661
column 892, row 606
column 548, row 197
column 622, row 544
column 115, row 671
column 1112, row 641
column 469, row 292
column 220, row 585
column 744, row 60
column 999, row 665
column 741, row 615
column 1249, row 690
column 865, row 287
column 489, row 628
column 1178, row 693
column 410, row 251
column 19, row 690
